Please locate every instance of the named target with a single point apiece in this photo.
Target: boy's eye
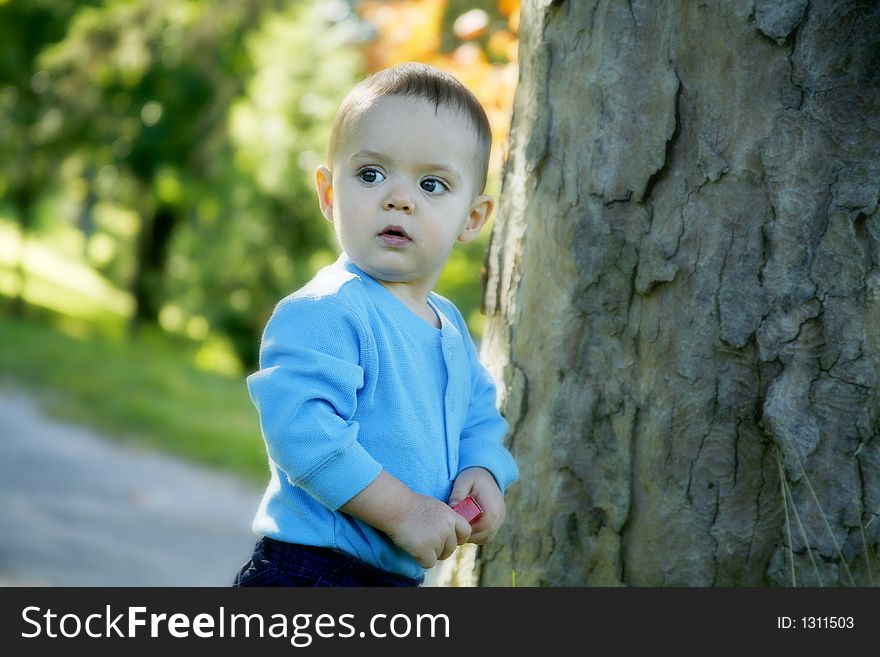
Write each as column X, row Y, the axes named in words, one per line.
column 370, row 176
column 434, row 186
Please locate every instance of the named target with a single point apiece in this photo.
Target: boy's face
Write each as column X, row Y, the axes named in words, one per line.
column 402, row 190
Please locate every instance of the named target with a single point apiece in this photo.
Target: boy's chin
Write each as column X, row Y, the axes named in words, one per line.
column 383, row 270
column 391, row 275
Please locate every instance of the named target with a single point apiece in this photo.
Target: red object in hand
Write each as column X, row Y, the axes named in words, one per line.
column 469, row 508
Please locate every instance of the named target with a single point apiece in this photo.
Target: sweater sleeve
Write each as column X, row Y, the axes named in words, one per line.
column 484, row 428
column 306, row 394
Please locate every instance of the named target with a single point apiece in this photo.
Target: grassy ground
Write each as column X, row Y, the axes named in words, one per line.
column 148, row 389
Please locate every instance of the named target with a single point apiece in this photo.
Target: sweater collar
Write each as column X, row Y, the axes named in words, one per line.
column 395, row 306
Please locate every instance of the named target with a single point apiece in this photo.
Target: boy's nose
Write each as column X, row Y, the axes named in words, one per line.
column 400, row 202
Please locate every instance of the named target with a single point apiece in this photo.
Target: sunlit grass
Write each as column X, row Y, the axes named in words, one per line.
column 56, row 282
column 147, row 389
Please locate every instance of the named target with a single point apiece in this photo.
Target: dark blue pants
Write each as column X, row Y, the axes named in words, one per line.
column 275, row 563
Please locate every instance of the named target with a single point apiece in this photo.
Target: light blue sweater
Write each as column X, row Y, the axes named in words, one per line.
column 351, row 381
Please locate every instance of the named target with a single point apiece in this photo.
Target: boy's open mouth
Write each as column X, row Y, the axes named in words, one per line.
column 394, row 236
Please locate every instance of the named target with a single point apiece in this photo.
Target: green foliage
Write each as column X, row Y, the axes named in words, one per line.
column 146, row 88
column 456, row 8
column 259, row 234
column 146, row 85
column 29, row 119
column 209, row 117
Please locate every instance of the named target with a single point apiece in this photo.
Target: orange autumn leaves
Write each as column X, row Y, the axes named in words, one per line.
column 484, row 56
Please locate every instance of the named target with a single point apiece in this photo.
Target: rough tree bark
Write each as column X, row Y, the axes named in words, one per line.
column 683, row 295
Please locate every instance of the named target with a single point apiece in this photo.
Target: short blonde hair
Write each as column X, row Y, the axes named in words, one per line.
column 415, row 80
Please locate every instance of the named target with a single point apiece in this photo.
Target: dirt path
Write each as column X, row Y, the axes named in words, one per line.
column 77, row 509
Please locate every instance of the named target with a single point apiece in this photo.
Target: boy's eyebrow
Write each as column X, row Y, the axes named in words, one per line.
column 374, row 155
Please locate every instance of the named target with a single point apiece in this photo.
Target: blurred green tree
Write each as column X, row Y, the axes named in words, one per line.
column 29, row 121
column 146, row 87
column 199, row 125
column 260, row 235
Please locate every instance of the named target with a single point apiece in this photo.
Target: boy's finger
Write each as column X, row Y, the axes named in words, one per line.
column 482, row 537
column 448, row 548
column 460, row 490
column 427, row 559
column 462, row 530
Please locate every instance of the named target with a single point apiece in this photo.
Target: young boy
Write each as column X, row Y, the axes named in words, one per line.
column 376, row 412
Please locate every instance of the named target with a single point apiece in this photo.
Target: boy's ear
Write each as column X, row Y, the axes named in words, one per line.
column 324, row 187
column 481, row 210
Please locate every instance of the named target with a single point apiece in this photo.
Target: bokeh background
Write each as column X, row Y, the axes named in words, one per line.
column 156, row 195
column 156, row 199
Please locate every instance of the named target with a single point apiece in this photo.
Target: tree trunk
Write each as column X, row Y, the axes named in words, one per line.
column 153, row 245
column 683, row 296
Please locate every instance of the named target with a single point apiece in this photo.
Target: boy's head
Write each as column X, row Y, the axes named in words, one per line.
column 406, row 167
column 420, row 82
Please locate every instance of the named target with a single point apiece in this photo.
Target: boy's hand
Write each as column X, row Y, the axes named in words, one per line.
column 480, row 483
column 430, row 531
column 424, row 527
